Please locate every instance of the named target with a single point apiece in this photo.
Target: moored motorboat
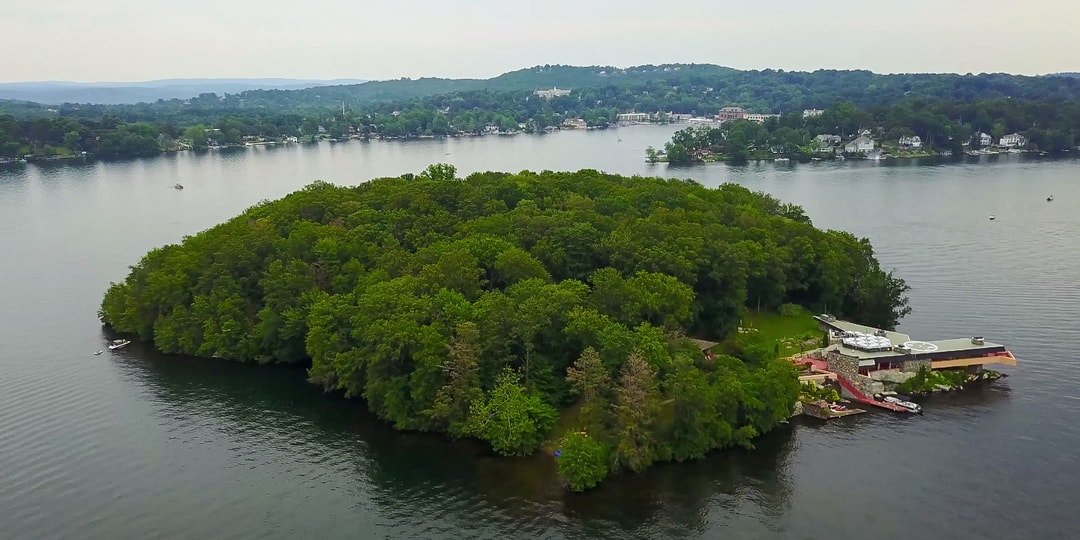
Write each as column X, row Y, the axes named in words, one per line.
column 178, row 186
column 1050, row 198
column 992, row 218
column 118, row 344
column 911, row 407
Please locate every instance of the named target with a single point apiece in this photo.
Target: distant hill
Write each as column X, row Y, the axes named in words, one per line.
column 681, row 87
column 116, row 93
column 678, row 88
column 534, row 78
column 1070, row 74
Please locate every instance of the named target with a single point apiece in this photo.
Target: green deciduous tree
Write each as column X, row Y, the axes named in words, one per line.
column 583, row 461
column 511, row 418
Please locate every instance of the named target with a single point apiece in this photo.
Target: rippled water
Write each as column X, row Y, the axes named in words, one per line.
column 133, row 444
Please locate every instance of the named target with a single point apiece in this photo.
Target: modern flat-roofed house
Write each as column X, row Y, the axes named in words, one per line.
column 872, row 349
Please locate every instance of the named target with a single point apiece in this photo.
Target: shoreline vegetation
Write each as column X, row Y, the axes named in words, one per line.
column 844, row 132
column 885, row 150
column 531, row 311
column 935, row 107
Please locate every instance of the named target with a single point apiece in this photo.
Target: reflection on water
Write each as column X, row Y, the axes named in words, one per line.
column 248, row 408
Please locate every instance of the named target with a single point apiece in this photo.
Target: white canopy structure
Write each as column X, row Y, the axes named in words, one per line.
column 866, row 342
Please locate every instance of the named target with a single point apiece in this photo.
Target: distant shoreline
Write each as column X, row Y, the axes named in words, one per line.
column 885, row 157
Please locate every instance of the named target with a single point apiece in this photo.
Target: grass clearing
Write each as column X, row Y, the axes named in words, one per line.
column 795, row 329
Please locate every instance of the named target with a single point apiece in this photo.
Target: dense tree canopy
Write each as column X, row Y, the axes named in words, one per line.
column 479, row 307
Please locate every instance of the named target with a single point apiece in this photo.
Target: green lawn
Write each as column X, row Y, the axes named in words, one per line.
column 795, row 333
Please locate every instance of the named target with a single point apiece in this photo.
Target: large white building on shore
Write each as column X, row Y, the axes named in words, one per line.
column 554, row 92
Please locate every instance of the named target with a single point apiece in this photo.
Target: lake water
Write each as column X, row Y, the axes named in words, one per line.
column 136, row 445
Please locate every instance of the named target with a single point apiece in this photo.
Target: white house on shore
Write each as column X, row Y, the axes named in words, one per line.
column 913, row 141
column 985, row 140
column 1013, row 140
column 862, row 143
column 812, row 113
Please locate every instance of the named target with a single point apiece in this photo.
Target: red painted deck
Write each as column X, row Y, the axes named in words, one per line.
column 863, row 398
column 821, row 365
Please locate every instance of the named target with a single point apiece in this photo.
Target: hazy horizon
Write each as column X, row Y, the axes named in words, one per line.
column 359, row 80
column 122, row 42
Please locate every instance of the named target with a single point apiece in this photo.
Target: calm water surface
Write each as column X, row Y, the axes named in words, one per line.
column 136, row 445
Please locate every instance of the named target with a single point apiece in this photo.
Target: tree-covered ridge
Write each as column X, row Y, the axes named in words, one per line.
column 478, row 307
column 715, row 85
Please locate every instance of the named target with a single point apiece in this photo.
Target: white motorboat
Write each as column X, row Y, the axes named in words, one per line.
column 912, row 407
column 99, row 352
column 118, row 344
column 992, row 218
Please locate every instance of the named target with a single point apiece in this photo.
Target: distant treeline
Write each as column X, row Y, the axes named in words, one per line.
column 931, row 103
column 941, row 126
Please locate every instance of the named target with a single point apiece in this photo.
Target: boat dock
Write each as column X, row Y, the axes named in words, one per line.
column 821, row 371
column 856, row 395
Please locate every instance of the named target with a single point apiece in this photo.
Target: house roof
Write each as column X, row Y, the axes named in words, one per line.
column 939, row 348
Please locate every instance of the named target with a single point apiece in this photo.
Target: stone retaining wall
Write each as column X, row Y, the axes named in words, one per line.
column 912, row 366
column 848, row 368
column 867, row 385
column 815, row 410
column 844, row 366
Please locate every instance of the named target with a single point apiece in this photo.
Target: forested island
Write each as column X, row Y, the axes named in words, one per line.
column 510, row 103
column 523, row 309
column 911, row 128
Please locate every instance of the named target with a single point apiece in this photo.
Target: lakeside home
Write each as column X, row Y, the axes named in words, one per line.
column 865, row 359
column 888, row 350
column 1013, row 140
column 862, row 143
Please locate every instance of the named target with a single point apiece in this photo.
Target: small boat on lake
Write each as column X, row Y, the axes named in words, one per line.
column 992, row 218
column 118, row 344
column 1050, row 198
column 99, row 352
column 178, row 186
column 911, row 407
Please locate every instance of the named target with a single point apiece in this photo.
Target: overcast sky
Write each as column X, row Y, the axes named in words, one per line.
column 132, row 40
